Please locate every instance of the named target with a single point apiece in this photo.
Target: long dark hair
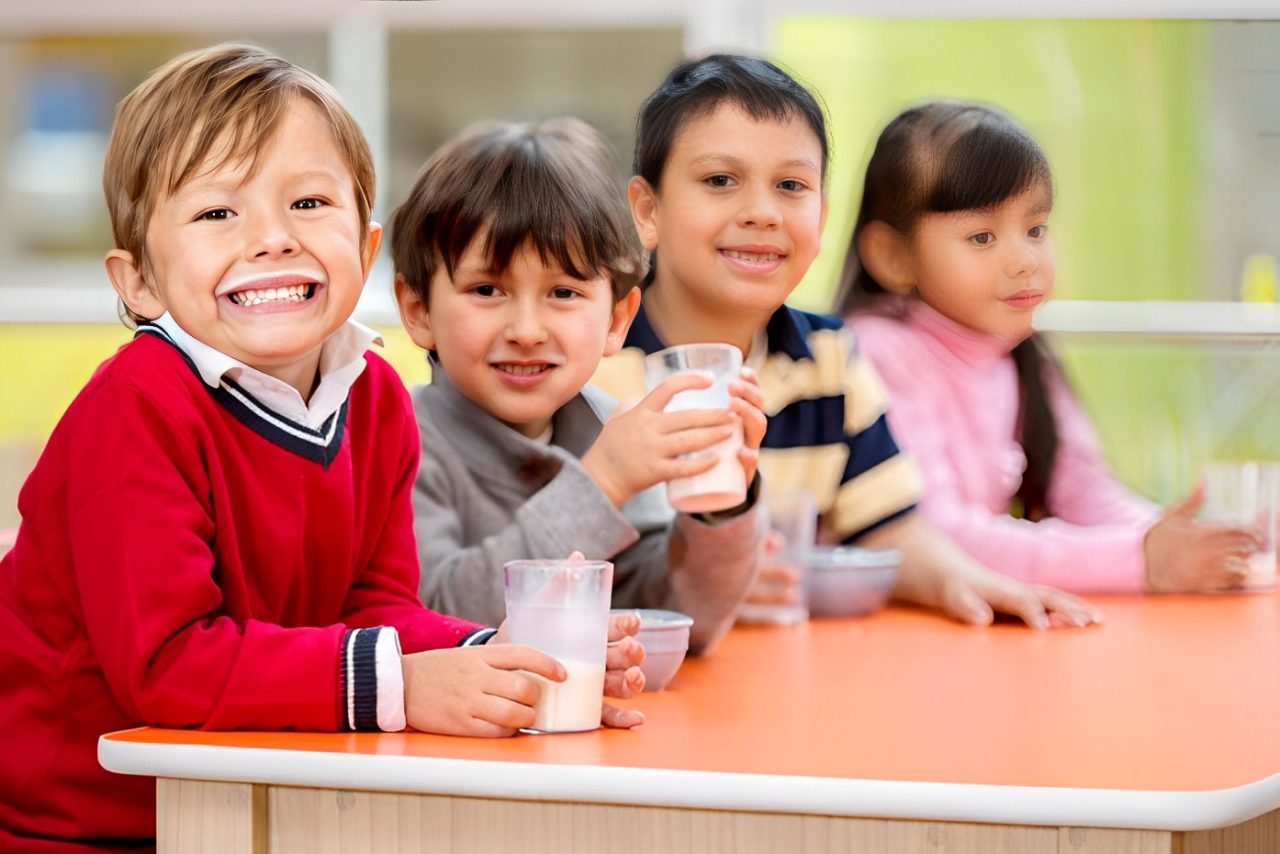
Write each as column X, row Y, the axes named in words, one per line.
column 947, row 156
column 696, row 87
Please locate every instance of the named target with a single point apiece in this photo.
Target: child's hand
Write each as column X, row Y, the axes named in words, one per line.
column 937, row 573
column 1187, row 555
column 474, row 690
column 641, row 446
column 747, row 402
column 622, row 675
column 976, row 598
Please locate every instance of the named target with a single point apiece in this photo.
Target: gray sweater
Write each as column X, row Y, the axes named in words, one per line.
column 486, row 494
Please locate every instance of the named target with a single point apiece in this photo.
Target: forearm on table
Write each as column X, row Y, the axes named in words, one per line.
column 929, row 559
column 712, row 567
column 1098, row 558
column 566, row 515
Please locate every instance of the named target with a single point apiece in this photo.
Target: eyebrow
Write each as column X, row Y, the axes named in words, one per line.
column 706, row 159
column 229, row 183
column 318, row 173
column 460, row 270
column 971, row 213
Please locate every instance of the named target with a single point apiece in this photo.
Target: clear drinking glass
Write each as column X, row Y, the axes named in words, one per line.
column 561, row 607
column 723, row 486
column 1245, row 493
column 792, row 519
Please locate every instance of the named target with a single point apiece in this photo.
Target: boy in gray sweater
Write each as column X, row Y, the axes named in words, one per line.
column 517, row 269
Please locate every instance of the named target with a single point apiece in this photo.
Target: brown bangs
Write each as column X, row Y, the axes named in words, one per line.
column 546, row 185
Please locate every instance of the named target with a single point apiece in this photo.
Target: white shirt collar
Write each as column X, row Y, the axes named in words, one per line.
column 341, row 363
column 758, row 351
column 544, row 438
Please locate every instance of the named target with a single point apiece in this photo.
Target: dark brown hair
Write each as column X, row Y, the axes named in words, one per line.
column 549, row 184
column 947, row 156
column 696, row 87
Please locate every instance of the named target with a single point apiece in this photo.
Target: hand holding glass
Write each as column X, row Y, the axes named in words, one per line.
column 779, row 595
column 723, row 486
column 1246, row 493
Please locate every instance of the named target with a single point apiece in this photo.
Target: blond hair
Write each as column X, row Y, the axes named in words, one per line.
column 230, row 97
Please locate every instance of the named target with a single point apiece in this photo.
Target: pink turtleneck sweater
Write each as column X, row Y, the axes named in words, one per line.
column 954, row 394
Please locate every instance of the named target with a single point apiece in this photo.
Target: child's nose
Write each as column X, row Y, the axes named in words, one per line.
column 525, row 326
column 271, row 237
column 1023, row 260
column 759, row 208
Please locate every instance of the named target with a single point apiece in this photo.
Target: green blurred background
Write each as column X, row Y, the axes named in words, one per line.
column 1125, row 111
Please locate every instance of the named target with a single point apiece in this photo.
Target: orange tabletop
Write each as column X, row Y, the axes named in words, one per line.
column 901, row 713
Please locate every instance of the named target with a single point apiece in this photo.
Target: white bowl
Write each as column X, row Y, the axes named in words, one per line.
column 848, row 581
column 665, row 636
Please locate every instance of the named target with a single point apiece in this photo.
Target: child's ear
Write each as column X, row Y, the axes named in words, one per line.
column 644, row 211
column 372, row 241
column 886, row 255
column 624, row 311
column 413, row 315
column 126, row 277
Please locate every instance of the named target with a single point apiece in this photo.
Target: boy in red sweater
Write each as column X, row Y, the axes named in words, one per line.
column 219, row 533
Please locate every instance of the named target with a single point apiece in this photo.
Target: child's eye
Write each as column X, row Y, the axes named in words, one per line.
column 792, row 186
column 485, row 290
column 719, row 180
column 563, row 293
column 308, row 204
column 1038, row 231
column 985, row 238
column 214, row 214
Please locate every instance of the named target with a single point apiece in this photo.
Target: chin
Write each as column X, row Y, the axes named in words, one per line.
column 757, row 300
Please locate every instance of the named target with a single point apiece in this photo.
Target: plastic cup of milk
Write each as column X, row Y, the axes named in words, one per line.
column 1245, row 493
column 561, row 607
column 724, row 485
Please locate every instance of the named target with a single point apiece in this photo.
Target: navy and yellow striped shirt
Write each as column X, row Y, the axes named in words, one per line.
column 827, row 428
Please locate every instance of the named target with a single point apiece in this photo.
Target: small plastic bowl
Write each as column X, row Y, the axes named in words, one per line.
column 665, row 636
column 847, row 581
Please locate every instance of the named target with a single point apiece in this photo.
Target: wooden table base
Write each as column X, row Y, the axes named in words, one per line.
column 242, row 818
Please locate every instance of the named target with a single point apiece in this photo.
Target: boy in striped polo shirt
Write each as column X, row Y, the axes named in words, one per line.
column 729, row 194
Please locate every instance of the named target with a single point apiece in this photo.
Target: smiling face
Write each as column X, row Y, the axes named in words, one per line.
column 986, row 269
column 262, row 266
column 518, row 342
column 738, row 216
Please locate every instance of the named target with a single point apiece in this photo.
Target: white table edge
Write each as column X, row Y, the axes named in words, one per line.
column 921, row 801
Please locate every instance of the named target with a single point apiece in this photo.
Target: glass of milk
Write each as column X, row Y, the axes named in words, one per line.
column 724, row 485
column 561, row 607
column 1246, row 493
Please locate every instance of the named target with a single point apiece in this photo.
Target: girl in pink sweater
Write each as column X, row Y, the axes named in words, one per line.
column 949, row 258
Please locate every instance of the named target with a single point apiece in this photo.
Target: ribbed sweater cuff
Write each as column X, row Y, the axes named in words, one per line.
column 478, row 637
column 358, row 666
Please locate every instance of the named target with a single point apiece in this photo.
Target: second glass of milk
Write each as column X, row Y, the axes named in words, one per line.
column 561, row 607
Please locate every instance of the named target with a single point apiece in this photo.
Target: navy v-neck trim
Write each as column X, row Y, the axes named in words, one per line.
column 319, row 445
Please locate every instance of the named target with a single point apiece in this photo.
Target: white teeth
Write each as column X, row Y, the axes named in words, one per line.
column 257, row 296
column 523, row 370
column 753, row 257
